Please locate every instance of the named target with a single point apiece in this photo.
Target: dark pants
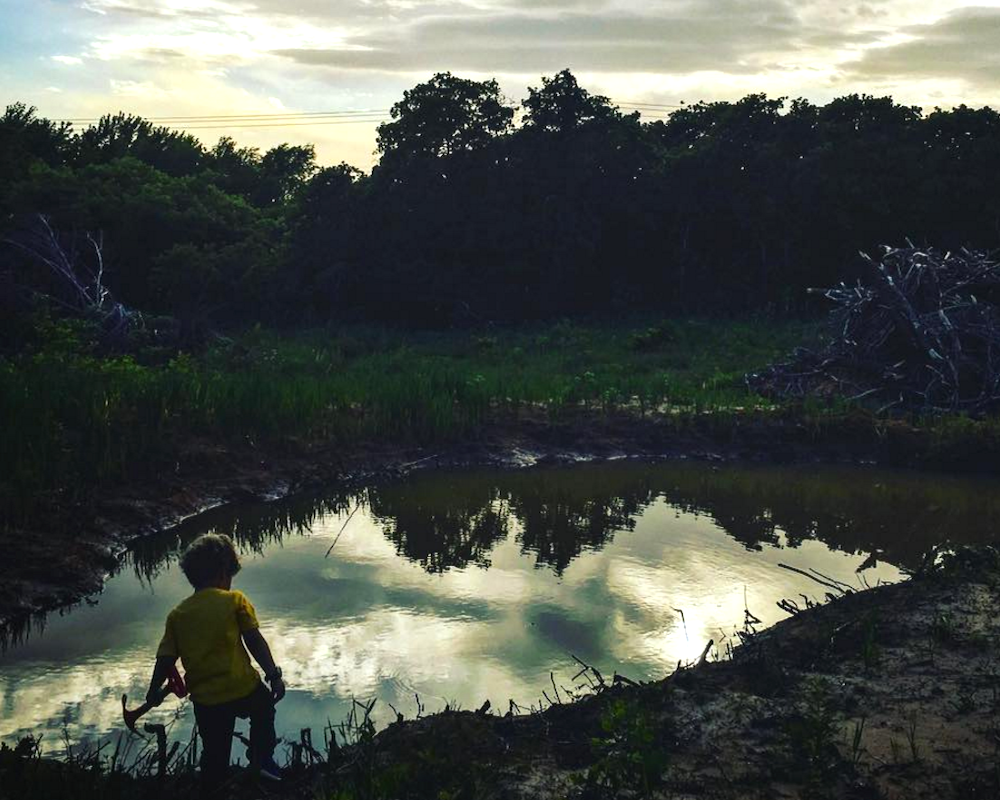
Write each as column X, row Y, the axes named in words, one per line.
column 215, row 726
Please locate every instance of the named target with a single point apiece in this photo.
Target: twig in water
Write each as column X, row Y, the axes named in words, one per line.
column 847, row 587
column 811, row 577
column 592, row 674
column 789, row 606
column 343, row 528
column 684, row 623
column 418, row 461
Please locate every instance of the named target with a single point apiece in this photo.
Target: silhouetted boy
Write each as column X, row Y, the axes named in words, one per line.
column 208, row 632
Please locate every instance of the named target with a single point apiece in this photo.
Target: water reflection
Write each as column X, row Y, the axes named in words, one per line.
column 444, row 521
column 467, row 586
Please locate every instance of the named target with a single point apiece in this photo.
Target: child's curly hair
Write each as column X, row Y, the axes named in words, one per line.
column 208, row 556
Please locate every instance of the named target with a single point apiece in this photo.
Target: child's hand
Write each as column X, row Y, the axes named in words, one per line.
column 277, row 688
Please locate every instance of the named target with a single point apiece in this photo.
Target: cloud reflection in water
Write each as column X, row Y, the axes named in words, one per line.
column 463, row 587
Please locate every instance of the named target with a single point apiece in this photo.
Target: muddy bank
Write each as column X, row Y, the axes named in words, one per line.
column 66, row 553
column 888, row 693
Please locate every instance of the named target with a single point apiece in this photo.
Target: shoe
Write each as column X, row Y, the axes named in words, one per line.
column 270, row 770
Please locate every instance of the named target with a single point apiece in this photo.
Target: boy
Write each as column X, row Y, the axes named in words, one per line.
column 208, row 632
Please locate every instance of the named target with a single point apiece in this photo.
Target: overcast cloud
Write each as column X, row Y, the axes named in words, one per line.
column 80, row 58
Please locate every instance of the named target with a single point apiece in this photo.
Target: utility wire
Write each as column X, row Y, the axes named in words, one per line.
column 297, row 119
column 251, row 117
column 239, row 126
column 631, row 104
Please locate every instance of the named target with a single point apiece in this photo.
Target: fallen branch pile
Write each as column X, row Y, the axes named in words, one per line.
column 923, row 334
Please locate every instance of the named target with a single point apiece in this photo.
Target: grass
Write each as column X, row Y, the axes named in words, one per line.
column 75, row 420
column 632, row 752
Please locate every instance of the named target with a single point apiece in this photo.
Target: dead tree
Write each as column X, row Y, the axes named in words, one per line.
column 77, row 275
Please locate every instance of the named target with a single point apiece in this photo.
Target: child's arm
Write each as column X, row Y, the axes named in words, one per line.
column 160, row 671
column 257, row 646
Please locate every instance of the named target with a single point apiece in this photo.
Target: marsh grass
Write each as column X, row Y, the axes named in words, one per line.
column 73, row 420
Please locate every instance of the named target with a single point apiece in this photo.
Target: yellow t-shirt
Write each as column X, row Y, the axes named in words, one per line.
column 205, row 631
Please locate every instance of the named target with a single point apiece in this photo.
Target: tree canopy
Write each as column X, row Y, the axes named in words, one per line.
column 481, row 211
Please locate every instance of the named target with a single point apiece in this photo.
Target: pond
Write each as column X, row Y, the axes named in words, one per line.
column 458, row 587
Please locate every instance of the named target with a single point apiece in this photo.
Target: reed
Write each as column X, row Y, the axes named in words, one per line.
column 73, row 421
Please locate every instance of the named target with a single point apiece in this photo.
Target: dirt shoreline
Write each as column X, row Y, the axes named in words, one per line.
column 67, row 556
column 889, row 693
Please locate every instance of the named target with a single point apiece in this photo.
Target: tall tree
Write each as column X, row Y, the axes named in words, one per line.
column 237, row 169
column 120, row 135
column 284, row 170
column 561, row 105
column 444, row 116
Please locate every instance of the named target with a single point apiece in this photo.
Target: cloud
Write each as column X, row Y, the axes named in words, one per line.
column 143, row 89
column 963, row 45
column 164, row 9
column 200, row 56
column 677, row 38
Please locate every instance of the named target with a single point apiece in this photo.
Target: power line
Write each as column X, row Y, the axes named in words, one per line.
column 250, row 117
column 304, row 115
column 297, row 119
column 631, row 104
column 647, row 110
column 285, row 124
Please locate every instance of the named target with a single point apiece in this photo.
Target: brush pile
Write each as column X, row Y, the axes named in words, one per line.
column 921, row 335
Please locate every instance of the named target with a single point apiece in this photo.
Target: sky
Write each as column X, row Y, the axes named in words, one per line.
column 78, row 59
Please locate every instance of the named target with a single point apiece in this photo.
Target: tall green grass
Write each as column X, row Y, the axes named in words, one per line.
column 72, row 421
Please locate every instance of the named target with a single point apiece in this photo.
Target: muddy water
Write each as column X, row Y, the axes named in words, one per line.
column 455, row 588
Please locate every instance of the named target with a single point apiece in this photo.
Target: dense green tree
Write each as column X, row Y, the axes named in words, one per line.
column 120, row 135
column 283, row 171
column 323, row 235
column 26, row 138
column 236, row 170
column 444, row 116
column 721, row 208
column 143, row 213
column 562, row 105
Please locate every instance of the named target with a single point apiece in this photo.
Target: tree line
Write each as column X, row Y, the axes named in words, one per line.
column 480, row 210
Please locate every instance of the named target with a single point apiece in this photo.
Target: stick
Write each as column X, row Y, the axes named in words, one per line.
column 342, row 529
column 418, row 461
column 813, row 578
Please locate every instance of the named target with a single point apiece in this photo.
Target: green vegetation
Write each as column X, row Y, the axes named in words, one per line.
column 84, row 419
column 633, row 750
column 812, row 733
column 474, row 216
column 479, row 210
